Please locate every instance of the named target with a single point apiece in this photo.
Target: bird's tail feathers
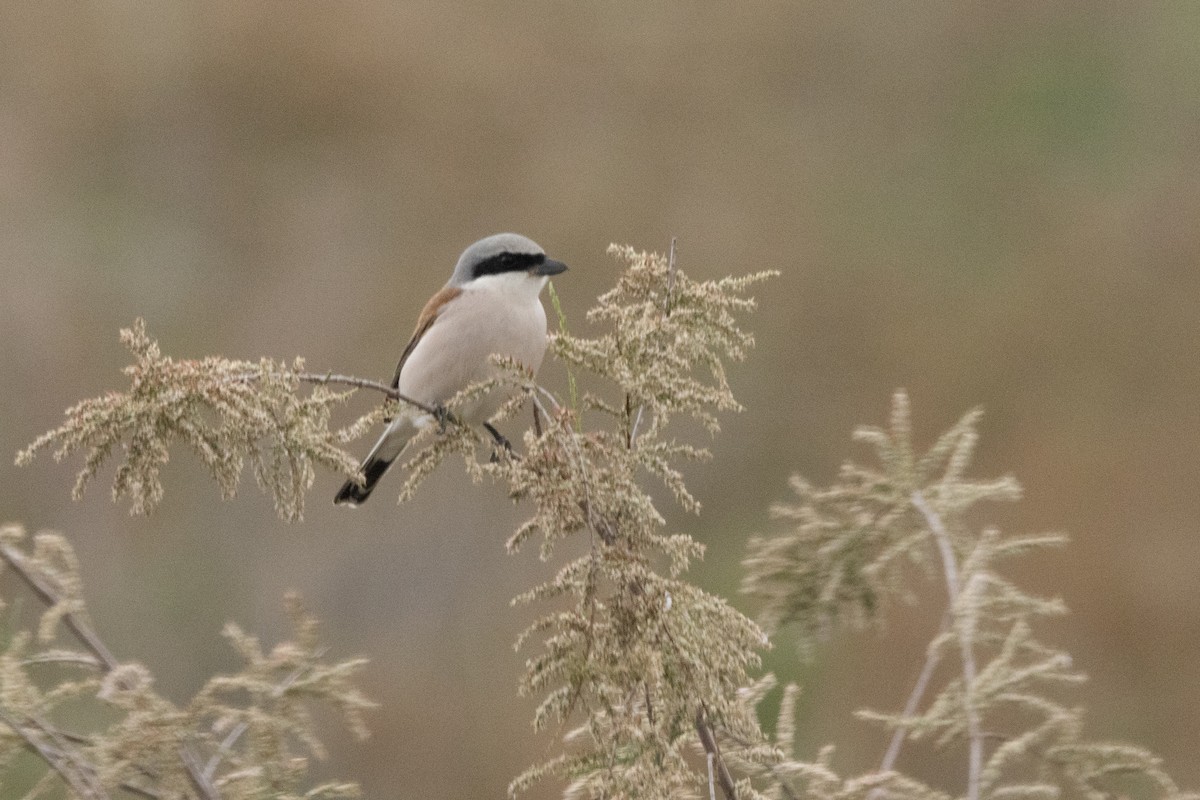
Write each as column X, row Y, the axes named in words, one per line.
column 353, row 494
column 385, row 451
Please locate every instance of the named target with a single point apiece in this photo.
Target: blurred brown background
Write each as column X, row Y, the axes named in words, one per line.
column 989, row 204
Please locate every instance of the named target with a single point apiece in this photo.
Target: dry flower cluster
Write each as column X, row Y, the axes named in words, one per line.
column 648, row 664
column 228, row 412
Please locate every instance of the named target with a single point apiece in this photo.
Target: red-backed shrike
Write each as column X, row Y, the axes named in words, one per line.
column 489, row 306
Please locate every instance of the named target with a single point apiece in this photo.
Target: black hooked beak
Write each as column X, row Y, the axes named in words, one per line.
column 549, row 267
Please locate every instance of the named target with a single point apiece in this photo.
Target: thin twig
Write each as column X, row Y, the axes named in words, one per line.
column 49, row 595
column 549, row 395
column 950, row 567
column 60, row 744
column 196, row 776
column 68, row 736
column 932, row 659
column 74, row 659
column 61, row 736
column 324, row 379
column 572, row 387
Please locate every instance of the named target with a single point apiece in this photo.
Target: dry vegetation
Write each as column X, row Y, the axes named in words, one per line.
column 646, row 678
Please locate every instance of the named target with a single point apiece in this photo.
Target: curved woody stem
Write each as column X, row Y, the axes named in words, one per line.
column 965, row 636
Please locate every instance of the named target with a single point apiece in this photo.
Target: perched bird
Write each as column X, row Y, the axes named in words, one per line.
column 489, row 306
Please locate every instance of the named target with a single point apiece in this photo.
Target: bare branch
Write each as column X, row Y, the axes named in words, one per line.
column 362, row 383
column 932, row 658
column 50, row 596
column 196, row 776
column 950, row 569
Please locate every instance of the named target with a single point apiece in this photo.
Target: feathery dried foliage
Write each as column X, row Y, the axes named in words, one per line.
column 646, row 673
column 102, row 731
column 852, row 541
column 648, row 663
column 228, row 412
column 639, row 662
column 845, row 555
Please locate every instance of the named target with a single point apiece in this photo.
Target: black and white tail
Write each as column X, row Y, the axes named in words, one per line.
column 385, row 451
column 351, row 494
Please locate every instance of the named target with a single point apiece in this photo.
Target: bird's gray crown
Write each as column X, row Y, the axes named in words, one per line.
column 501, row 252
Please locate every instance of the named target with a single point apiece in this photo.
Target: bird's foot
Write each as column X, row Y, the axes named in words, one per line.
column 443, row 416
column 501, row 444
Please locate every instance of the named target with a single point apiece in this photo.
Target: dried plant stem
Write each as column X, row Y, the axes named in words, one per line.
column 210, row 769
column 932, row 658
column 49, row 752
column 325, row 379
column 987, row 683
column 709, row 742
column 200, row 782
column 953, row 587
column 78, row 775
column 572, row 386
column 49, row 595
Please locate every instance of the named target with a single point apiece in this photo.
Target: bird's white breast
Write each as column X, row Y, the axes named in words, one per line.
column 494, row 314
